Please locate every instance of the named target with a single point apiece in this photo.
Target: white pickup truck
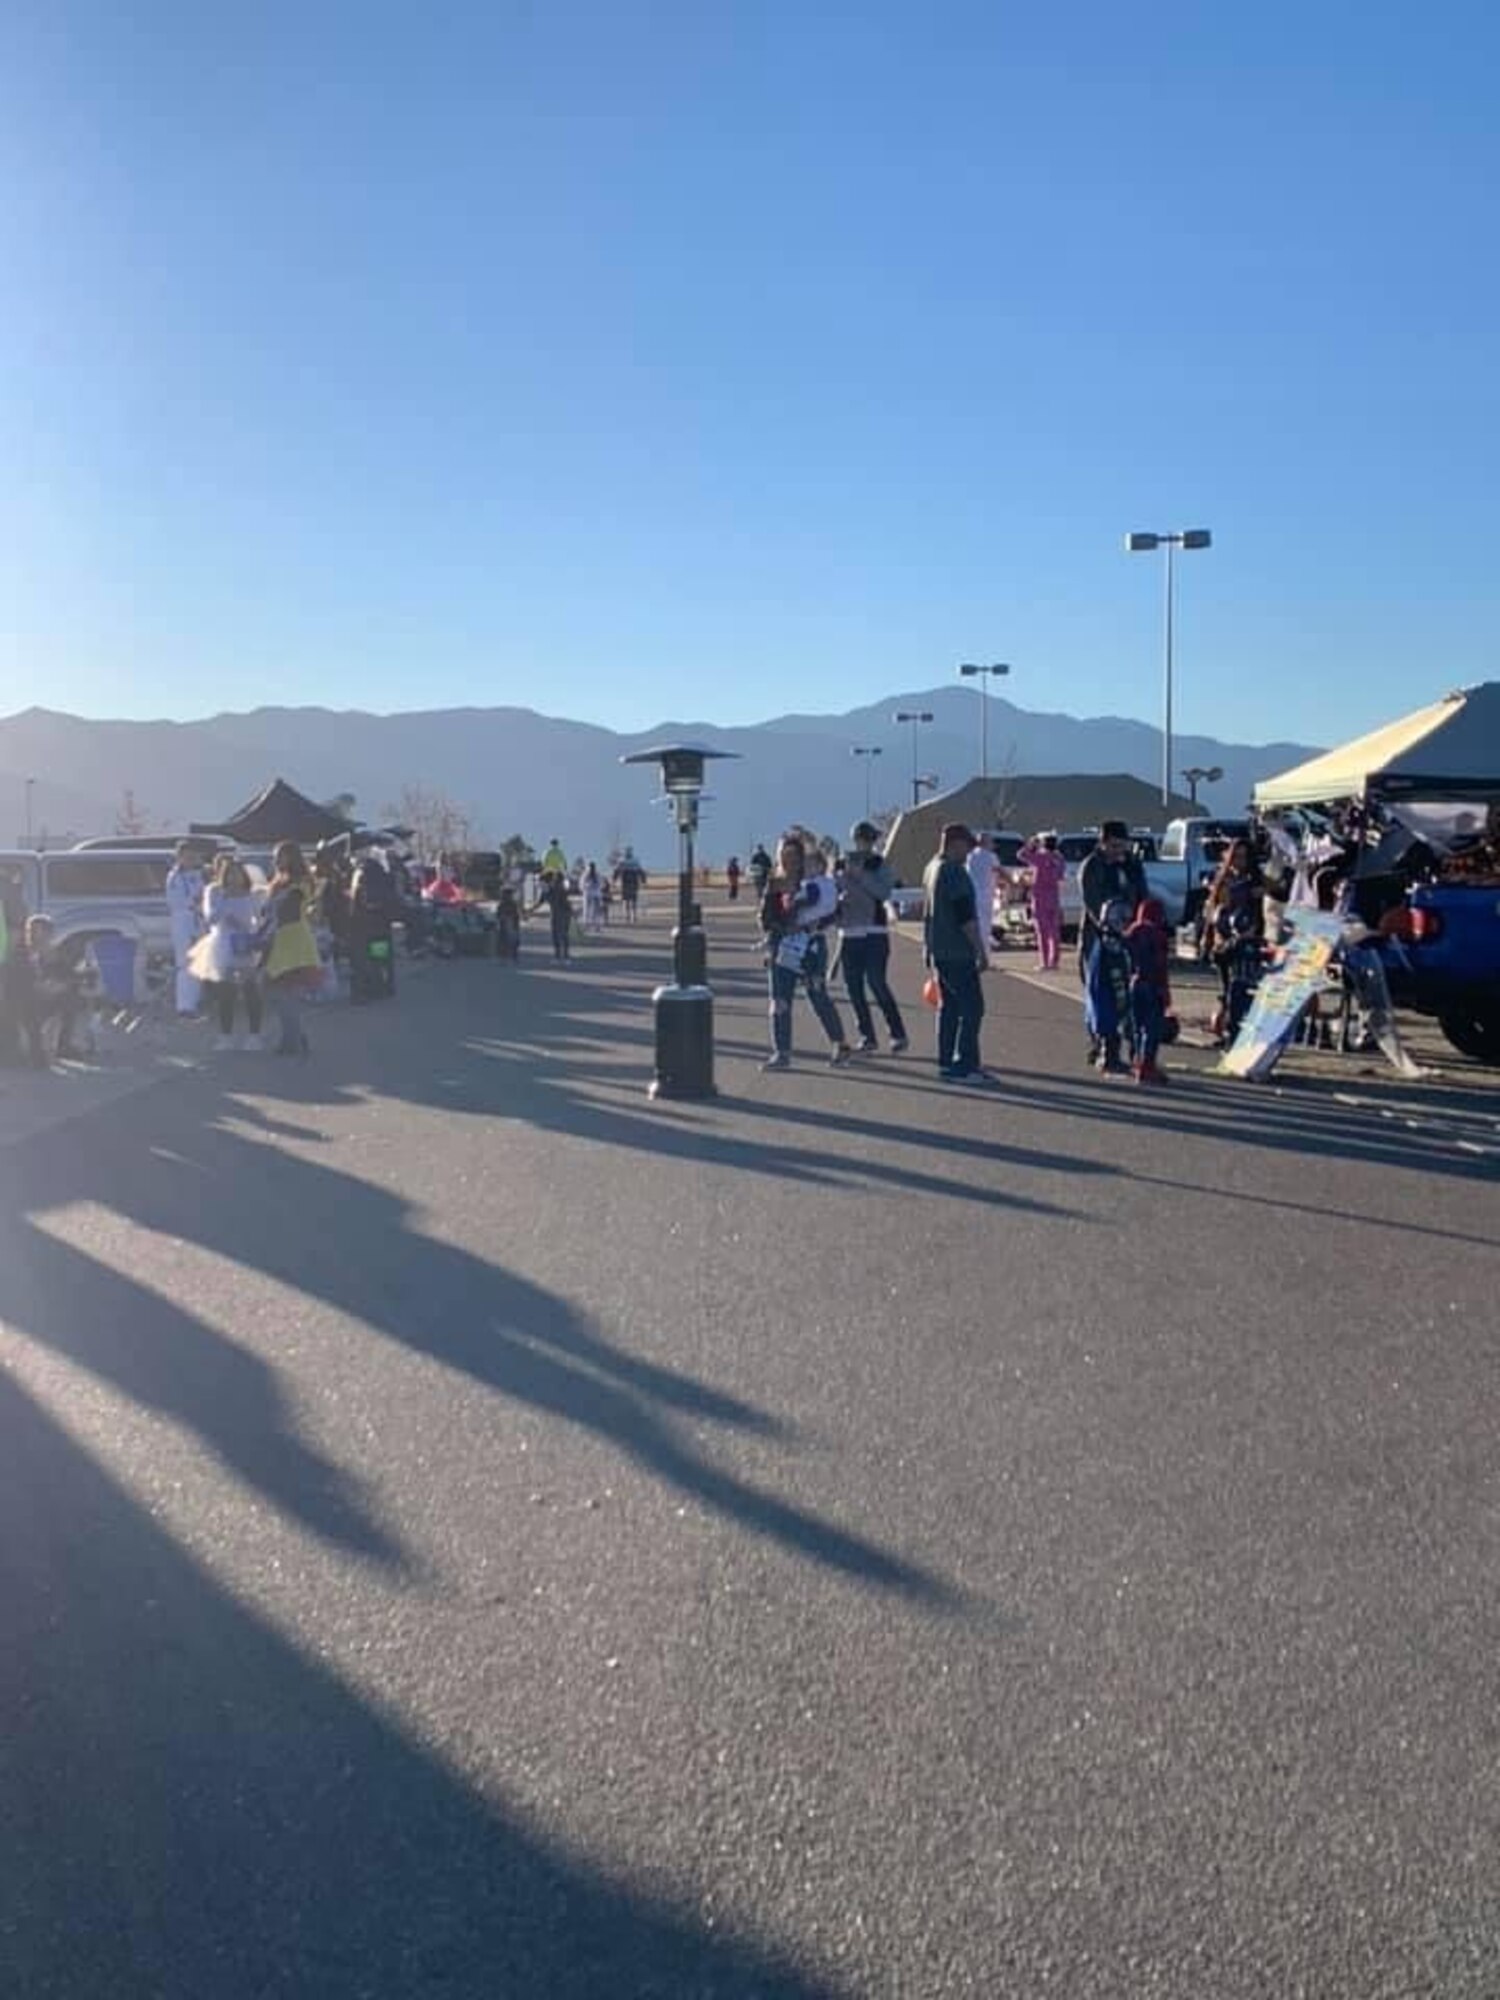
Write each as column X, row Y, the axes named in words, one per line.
column 1186, row 861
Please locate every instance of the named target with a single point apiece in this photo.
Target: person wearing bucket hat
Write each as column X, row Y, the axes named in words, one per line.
column 955, row 951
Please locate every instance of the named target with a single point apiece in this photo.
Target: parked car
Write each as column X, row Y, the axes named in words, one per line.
column 91, row 892
column 1190, row 852
column 1441, row 952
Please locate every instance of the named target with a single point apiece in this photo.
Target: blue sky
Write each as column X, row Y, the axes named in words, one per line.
column 710, row 360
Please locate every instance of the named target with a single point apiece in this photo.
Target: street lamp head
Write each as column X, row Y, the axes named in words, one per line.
column 681, row 775
column 1197, row 538
column 1142, row 544
column 681, row 764
column 913, row 715
column 968, row 670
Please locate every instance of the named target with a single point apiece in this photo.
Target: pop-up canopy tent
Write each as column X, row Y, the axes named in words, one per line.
column 280, row 812
column 1448, row 750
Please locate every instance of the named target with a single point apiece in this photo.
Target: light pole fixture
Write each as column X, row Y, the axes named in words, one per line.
column 968, row 671
column 916, row 717
column 1146, row 544
column 684, row 1010
column 1201, row 774
column 869, row 751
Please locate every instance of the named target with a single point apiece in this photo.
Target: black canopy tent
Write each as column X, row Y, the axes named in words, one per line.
column 280, row 812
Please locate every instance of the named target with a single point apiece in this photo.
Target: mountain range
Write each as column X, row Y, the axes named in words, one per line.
column 512, row 770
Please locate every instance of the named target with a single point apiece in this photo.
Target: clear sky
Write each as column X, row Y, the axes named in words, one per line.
column 705, row 360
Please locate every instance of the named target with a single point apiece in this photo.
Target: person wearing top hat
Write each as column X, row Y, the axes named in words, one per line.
column 954, row 950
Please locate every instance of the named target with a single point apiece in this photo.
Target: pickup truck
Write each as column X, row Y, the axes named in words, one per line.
column 1441, row 952
column 1190, row 852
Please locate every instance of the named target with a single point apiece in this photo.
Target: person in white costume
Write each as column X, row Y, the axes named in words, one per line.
column 185, row 908
column 983, row 869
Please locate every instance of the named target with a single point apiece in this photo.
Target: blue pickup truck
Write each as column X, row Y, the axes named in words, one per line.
column 1441, row 951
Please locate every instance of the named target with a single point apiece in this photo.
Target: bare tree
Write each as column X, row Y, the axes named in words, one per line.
column 1005, row 787
column 437, row 824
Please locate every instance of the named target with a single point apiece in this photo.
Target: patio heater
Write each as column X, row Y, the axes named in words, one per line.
column 684, row 1010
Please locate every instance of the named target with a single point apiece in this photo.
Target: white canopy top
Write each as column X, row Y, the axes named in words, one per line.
column 1451, row 747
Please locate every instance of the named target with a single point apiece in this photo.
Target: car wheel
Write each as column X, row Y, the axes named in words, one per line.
column 1476, row 1035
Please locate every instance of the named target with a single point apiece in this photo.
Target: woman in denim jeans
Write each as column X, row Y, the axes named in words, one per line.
column 794, row 907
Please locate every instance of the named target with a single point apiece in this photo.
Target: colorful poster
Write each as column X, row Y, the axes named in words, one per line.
column 1299, row 976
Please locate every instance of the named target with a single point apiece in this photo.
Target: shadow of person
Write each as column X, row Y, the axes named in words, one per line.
column 351, row 1244
column 193, row 1809
column 164, row 1358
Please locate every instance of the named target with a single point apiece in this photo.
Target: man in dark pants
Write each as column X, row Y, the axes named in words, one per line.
column 955, row 951
column 865, row 881
column 1113, row 873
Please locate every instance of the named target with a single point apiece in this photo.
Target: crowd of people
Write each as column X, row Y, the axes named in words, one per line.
column 808, row 899
column 239, row 947
column 244, row 948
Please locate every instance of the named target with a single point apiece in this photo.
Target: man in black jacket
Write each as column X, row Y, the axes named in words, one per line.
column 1113, row 873
column 865, row 882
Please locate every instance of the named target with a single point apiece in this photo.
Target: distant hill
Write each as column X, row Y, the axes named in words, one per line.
column 516, row 771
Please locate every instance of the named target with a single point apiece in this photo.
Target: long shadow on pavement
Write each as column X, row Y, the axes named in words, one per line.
column 342, row 1240
column 193, row 1809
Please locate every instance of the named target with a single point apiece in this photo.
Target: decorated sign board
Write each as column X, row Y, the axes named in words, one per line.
column 1299, row 976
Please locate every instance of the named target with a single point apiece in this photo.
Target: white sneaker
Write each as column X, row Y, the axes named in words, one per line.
column 253, row 1045
column 223, row 1044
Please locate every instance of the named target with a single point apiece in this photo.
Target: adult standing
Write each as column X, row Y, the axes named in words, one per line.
column 732, row 875
column 558, row 904
column 954, row 949
column 226, row 956
column 793, row 913
column 1234, row 930
column 293, row 967
column 185, row 913
column 371, row 923
column 1042, row 857
column 631, row 877
column 593, row 898
column 1113, row 873
column 760, row 870
column 865, row 938
column 983, row 869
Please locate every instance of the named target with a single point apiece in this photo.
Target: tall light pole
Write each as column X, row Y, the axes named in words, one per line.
column 868, row 751
column 968, row 671
column 916, row 717
column 1144, row 544
column 30, row 788
column 1200, row 774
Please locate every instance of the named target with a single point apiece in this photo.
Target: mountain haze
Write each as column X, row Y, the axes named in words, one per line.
column 516, row 771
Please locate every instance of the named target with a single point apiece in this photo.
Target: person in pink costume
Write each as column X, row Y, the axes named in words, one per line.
column 1047, row 867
